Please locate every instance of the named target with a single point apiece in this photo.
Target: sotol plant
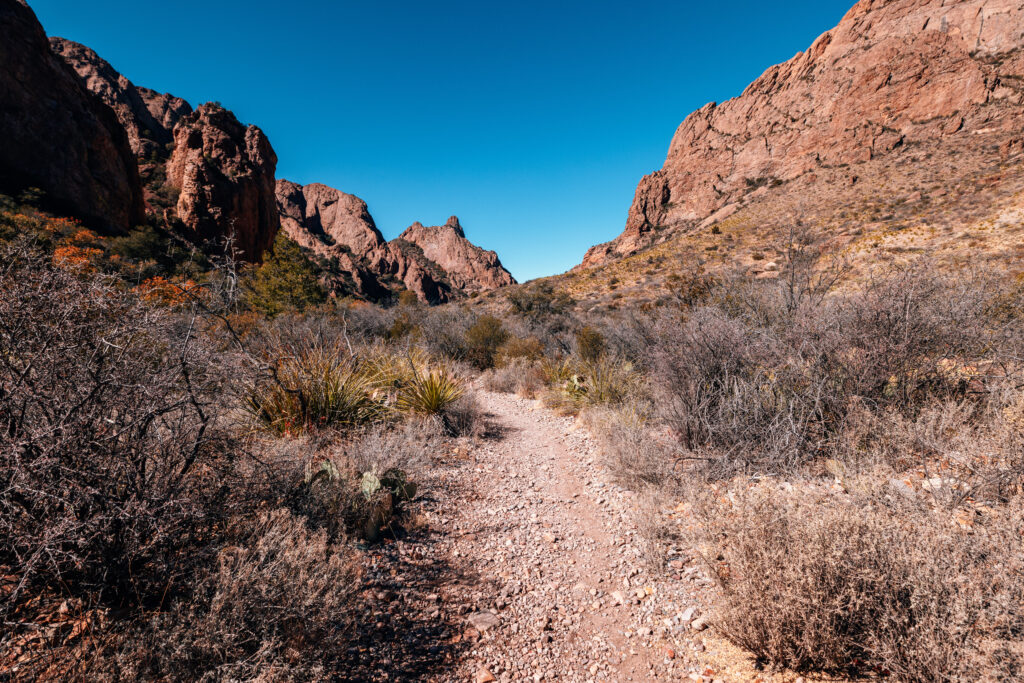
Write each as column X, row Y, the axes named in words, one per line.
column 429, row 393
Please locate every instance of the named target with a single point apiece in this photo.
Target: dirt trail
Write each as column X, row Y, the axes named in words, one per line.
column 546, row 579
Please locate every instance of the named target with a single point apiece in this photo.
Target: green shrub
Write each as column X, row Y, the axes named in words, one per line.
column 590, row 344
column 429, row 393
column 538, row 302
column 401, row 327
column 483, row 339
column 408, row 299
column 286, row 281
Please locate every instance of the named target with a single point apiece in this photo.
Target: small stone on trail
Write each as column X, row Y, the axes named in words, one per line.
column 484, row 676
column 482, row 621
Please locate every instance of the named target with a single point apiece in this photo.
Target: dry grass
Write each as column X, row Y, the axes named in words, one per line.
column 841, row 584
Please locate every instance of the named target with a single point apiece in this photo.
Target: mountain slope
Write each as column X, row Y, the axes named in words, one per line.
column 892, row 74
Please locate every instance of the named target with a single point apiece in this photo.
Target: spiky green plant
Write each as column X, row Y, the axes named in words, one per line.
column 608, row 380
column 316, row 385
column 429, row 393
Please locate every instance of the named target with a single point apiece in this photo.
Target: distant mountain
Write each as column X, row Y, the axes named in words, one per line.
column 118, row 155
column 437, row 263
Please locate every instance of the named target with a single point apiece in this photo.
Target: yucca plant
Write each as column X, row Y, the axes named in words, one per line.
column 388, row 369
column 318, row 385
column 429, row 393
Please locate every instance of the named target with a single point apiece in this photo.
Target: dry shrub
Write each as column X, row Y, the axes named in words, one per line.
column 529, row 382
column 444, row 331
column 407, row 446
column 112, row 453
column 736, row 395
column 515, row 348
column 331, row 494
column 519, row 376
column 859, row 583
column 273, row 608
column 763, row 381
column 501, row 380
column 465, row 417
column 633, row 454
column 966, row 450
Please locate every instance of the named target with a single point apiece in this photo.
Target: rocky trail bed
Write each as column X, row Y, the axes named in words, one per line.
column 524, row 564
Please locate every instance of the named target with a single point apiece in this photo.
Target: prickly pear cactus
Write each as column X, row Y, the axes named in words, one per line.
column 369, row 485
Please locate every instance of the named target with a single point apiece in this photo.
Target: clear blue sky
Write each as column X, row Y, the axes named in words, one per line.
column 531, row 121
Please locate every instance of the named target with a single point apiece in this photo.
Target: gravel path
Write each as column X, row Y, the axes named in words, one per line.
column 526, row 566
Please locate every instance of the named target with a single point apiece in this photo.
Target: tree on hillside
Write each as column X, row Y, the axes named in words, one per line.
column 286, row 281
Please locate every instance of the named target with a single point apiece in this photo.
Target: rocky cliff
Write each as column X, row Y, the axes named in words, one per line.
column 325, row 220
column 436, row 263
column 148, row 117
column 468, row 267
column 221, row 172
column 224, row 173
column 56, row 135
column 892, row 74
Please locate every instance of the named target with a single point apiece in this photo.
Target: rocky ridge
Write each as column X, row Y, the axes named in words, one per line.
column 224, row 172
column 148, row 117
column 203, row 174
column 469, row 267
column 892, row 74
column 436, row 263
column 221, row 172
column 66, row 143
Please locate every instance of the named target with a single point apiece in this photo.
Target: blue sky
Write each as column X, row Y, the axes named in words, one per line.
column 531, row 121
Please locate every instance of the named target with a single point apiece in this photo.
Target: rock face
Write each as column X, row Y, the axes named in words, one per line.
column 56, row 135
column 148, row 117
column 469, row 267
column 224, row 172
column 892, row 73
column 321, row 219
column 435, row 263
